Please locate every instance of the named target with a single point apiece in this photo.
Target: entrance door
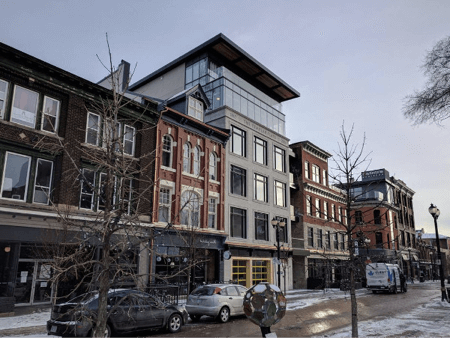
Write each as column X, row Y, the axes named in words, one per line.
column 32, row 282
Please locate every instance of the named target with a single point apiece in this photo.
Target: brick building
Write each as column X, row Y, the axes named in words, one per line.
column 42, row 107
column 318, row 219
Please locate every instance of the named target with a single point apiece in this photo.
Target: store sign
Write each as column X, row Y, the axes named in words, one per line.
column 373, row 174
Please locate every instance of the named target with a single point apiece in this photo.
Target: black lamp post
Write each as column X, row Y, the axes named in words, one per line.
column 434, row 211
column 276, row 223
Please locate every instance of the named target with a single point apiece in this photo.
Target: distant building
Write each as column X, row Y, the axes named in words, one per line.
column 384, row 214
column 319, row 242
column 429, row 260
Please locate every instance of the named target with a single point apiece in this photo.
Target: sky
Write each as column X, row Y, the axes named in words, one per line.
column 353, row 62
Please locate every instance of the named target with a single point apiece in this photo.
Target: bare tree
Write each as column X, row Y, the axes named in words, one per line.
column 348, row 161
column 432, row 104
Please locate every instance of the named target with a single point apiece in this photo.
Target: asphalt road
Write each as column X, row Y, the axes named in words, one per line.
column 316, row 320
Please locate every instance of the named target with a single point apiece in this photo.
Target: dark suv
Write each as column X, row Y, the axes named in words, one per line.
column 129, row 310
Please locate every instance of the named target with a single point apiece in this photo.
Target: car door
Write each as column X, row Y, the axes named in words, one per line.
column 149, row 311
column 234, row 299
column 121, row 313
column 242, row 291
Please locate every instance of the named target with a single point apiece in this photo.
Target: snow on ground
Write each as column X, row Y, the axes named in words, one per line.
column 429, row 320
column 37, row 318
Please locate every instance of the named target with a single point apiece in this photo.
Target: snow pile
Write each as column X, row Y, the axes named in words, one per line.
column 37, row 318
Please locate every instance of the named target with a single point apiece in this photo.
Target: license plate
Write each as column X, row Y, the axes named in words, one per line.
column 53, row 329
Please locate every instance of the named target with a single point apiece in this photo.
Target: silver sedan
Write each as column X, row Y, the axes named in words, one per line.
column 216, row 300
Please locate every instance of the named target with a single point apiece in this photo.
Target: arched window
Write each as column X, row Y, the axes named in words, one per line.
column 197, row 161
column 190, row 209
column 187, row 158
column 167, row 151
column 212, row 166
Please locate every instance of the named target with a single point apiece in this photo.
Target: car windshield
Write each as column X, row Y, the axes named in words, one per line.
column 205, row 291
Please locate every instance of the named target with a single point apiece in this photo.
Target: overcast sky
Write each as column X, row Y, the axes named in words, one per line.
column 352, row 61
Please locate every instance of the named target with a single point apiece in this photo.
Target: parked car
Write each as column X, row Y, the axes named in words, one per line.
column 129, row 310
column 216, row 300
column 384, row 277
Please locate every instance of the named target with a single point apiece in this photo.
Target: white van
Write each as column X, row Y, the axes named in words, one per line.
column 383, row 277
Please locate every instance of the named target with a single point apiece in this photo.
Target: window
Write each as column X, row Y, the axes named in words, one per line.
column 379, row 240
column 240, row 271
column 238, row 181
column 335, row 241
column 260, row 271
column 111, row 134
column 197, row 161
column 238, row 222
column 190, row 209
column 42, row 183
column 324, row 177
column 167, row 151
column 87, row 189
column 261, row 226
column 280, row 194
column 319, row 238
column 260, row 151
column 377, row 216
column 340, row 214
column 328, row 240
column 186, row 158
column 50, row 115
column 125, row 195
column 278, row 158
column 212, row 213
column 325, row 209
column 342, row 242
column 333, row 212
column 24, row 109
column 260, row 187
column 93, row 129
column 317, row 207
column 315, row 174
column 129, row 140
column 311, row 237
column 164, row 205
column 15, row 176
column 358, row 217
column 195, row 108
column 213, row 166
column 308, row 206
column 307, row 174
column 238, row 141
column 345, row 216
column 3, row 95
column 101, row 199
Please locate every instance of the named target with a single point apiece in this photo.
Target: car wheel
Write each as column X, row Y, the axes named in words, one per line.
column 195, row 318
column 224, row 315
column 174, row 324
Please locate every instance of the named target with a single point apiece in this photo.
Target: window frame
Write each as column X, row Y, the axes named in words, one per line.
column 192, row 207
column 195, row 106
column 212, row 213
column 167, row 151
column 316, row 173
column 55, row 127
column 318, row 210
column 165, row 204
column 310, row 237
column 238, row 137
column 243, row 225
column 307, row 170
column 4, row 98
column 279, row 159
column 213, row 166
column 319, row 238
column 94, row 187
column 187, row 157
column 126, row 141
column 260, row 181
column 277, row 187
column 242, row 178
column 50, row 181
column 196, row 161
column 261, row 222
column 97, row 131
column 260, row 144
column 27, row 177
column 14, row 109
column 308, row 205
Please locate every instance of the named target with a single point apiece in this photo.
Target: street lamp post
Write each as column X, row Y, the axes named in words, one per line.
column 434, row 211
column 276, row 223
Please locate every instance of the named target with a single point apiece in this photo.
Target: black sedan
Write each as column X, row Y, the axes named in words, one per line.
column 129, row 311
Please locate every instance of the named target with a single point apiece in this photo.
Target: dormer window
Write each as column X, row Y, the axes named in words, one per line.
column 195, row 108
